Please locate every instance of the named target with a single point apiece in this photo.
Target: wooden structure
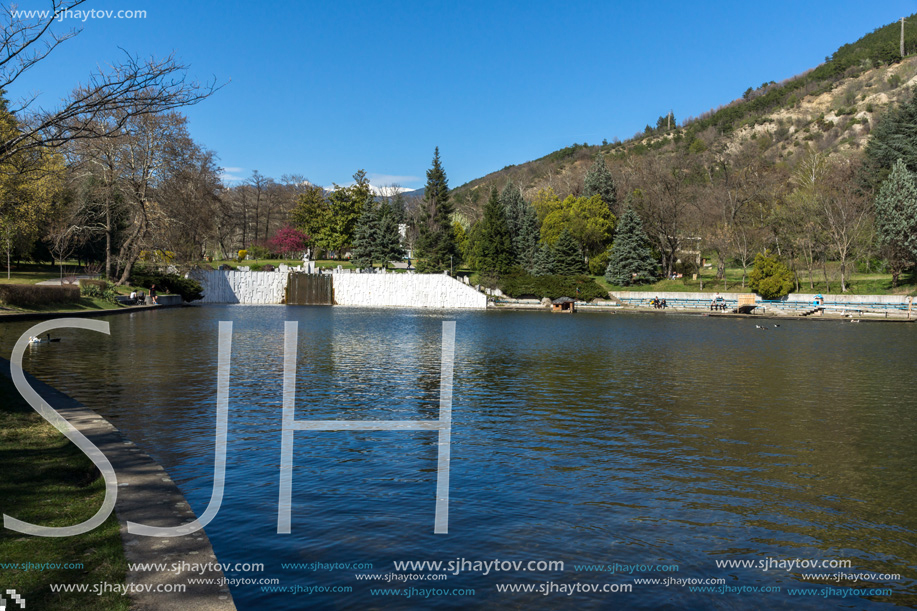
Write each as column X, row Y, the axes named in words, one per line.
column 563, row 305
column 309, row 289
column 746, row 303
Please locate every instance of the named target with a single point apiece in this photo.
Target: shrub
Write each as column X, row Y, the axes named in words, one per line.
column 598, row 263
column 28, row 295
column 552, row 287
column 257, row 251
column 242, row 254
column 98, row 289
column 770, row 278
column 190, row 290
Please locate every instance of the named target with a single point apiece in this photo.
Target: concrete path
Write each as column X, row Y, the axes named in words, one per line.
column 147, row 495
column 59, row 282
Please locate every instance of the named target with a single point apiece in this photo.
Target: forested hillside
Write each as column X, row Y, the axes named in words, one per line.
column 790, row 167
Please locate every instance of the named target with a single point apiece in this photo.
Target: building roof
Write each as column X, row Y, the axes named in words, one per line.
column 561, row 300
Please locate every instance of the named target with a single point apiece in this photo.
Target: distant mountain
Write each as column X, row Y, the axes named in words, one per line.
column 378, row 191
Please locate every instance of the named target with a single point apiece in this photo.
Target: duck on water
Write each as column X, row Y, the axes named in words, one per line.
column 43, row 340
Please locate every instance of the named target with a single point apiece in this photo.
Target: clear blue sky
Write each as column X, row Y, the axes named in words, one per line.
column 326, row 88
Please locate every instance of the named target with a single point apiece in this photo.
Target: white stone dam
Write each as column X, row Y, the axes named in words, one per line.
column 438, row 291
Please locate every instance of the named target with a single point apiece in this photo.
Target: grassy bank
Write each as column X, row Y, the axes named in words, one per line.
column 85, row 304
column 48, row 481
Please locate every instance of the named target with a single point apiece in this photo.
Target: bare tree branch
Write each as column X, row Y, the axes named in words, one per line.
column 132, row 88
column 24, row 43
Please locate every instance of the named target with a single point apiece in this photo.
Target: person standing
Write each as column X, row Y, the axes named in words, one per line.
column 153, row 295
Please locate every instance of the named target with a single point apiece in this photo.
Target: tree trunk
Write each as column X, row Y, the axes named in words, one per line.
column 128, row 254
column 108, row 242
column 128, row 267
column 824, row 269
column 809, row 257
column 843, row 275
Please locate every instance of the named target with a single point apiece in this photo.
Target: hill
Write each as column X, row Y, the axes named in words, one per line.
column 831, row 108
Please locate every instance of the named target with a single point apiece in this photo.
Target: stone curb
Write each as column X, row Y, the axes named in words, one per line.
column 80, row 313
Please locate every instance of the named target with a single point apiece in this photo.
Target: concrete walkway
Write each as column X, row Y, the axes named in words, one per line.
column 147, row 495
column 65, row 280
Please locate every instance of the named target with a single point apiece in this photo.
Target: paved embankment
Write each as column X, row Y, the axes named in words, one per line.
column 146, row 495
column 892, row 308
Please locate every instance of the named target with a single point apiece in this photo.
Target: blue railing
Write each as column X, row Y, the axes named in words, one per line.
column 678, row 302
column 808, row 305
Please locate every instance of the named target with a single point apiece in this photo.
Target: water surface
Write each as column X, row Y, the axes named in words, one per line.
column 589, row 439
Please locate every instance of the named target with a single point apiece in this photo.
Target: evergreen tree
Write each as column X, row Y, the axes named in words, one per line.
column 895, row 137
column 544, row 262
column 462, row 242
column 312, row 215
column 527, row 248
column 896, row 211
column 398, row 208
column 388, row 238
column 343, row 213
column 770, row 278
column 514, row 211
column 599, row 181
column 631, row 260
column 366, row 238
column 493, row 246
column 435, row 243
column 568, row 256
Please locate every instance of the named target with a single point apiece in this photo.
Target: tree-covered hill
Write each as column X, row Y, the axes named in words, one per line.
column 832, row 107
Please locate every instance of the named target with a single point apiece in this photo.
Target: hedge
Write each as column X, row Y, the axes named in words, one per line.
column 173, row 284
column 582, row 288
column 30, row 295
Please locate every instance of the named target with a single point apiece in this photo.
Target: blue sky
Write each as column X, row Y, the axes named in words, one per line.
column 323, row 89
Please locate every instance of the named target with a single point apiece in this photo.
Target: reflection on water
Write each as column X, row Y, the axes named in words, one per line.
column 592, row 439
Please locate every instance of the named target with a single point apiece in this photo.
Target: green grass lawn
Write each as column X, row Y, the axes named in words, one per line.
column 323, row 263
column 858, row 284
column 329, row 263
column 33, row 273
column 48, row 481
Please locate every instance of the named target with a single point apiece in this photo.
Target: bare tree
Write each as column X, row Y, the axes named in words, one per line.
column 138, row 188
column 257, row 185
column 800, row 218
column 95, row 169
column 662, row 193
column 129, row 89
column 189, row 196
column 844, row 212
column 65, row 235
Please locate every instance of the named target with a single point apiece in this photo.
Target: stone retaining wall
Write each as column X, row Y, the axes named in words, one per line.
column 352, row 289
column 405, row 290
column 224, row 286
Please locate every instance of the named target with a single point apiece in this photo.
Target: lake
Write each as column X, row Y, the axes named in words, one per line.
column 670, row 445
